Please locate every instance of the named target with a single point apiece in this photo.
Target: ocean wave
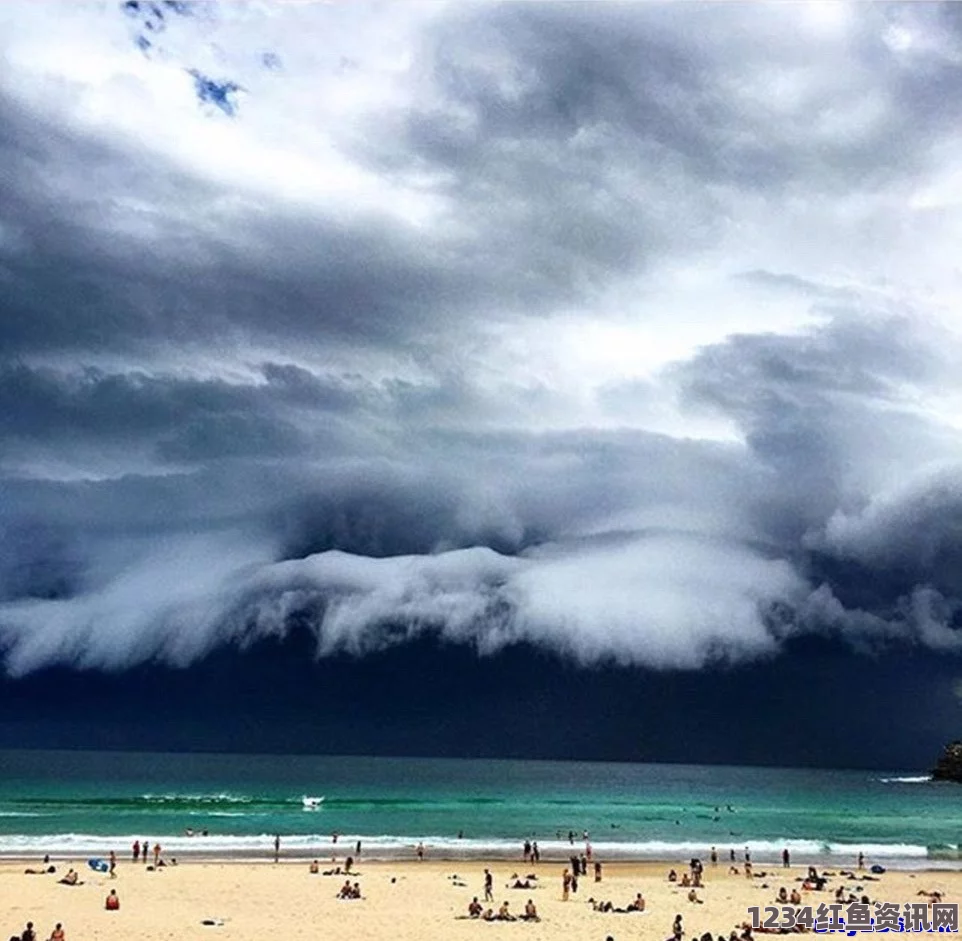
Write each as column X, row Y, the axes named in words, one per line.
column 72, row 845
column 909, row 779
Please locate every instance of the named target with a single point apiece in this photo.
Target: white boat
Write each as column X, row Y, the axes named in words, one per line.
column 312, row 803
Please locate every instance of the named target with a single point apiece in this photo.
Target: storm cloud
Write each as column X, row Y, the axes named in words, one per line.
column 628, row 332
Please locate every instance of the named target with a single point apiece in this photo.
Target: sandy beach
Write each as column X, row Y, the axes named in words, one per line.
column 402, row 900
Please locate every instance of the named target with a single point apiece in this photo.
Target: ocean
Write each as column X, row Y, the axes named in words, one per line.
column 78, row 803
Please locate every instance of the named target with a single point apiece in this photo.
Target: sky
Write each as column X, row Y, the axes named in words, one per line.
column 471, row 354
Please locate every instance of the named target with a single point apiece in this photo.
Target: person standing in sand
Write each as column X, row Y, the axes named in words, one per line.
column 565, row 885
column 156, row 855
column 277, row 848
column 488, row 886
column 145, row 850
column 420, row 852
column 113, row 865
column 136, row 850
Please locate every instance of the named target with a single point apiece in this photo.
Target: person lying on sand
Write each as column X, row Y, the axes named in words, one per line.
column 530, row 912
column 935, row 896
column 518, row 884
column 40, row 872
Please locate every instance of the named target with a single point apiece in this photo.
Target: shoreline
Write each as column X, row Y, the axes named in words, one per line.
column 287, row 858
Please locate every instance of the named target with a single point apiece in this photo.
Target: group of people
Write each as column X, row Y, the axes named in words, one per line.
column 350, row 890
column 478, row 911
column 637, row 904
column 29, row 934
column 142, row 852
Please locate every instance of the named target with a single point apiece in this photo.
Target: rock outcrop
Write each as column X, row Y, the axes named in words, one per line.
column 949, row 767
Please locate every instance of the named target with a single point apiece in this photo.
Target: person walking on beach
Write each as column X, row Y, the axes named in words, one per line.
column 565, row 885
column 420, row 852
column 357, row 849
column 277, row 847
column 535, row 852
column 156, row 855
column 786, row 858
column 714, row 856
column 488, row 886
column 113, row 865
column 145, row 850
column 136, row 850
column 527, row 850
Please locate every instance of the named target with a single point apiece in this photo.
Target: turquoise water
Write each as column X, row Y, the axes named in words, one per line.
column 89, row 802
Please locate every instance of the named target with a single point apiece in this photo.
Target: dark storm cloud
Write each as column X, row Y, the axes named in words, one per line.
column 227, row 407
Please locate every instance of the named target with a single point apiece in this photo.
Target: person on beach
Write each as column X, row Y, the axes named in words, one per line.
column 565, row 885
column 786, row 858
column 504, row 914
column 113, row 865
column 420, row 852
column 58, row 933
column 526, row 851
column 861, row 860
column 574, row 883
column 112, row 902
column 136, row 850
column 693, row 897
column 475, row 908
column 714, row 856
column 488, row 886
column 145, row 850
column 748, row 869
column 72, row 878
column 638, row 905
column 535, row 852
column 156, row 855
column 28, row 933
column 530, row 911
column 677, row 929
column 795, row 898
column 597, row 872
column 584, row 865
column 277, row 847
column 731, row 855
column 357, row 849
column 315, row 867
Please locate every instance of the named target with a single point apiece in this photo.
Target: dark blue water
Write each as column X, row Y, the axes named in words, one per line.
column 80, row 802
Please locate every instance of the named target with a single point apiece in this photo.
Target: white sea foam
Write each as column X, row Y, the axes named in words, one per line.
column 909, row 779
column 74, row 845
